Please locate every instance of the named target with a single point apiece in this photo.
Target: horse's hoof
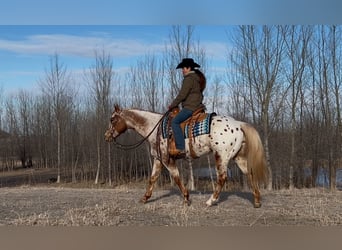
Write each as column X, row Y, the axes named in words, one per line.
column 187, row 202
column 257, row 205
column 143, row 200
column 211, row 202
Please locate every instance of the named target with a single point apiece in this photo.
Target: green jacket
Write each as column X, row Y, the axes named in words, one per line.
column 190, row 95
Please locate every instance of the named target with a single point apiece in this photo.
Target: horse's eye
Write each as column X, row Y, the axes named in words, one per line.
column 112, row 119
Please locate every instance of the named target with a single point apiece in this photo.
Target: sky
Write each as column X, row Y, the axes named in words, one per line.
column 32, row 31
column 25, row 50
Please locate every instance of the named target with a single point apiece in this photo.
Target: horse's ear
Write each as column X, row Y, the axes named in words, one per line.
column 117, row 108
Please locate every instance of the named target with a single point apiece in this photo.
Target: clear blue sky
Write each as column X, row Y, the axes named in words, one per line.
column 32, row 30
column 211, row 12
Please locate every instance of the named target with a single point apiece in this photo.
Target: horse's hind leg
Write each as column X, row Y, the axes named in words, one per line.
column 221, row 170
column 157, row 167
column 242, row 163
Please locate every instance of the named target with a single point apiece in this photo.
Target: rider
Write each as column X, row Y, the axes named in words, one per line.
column 190, row 96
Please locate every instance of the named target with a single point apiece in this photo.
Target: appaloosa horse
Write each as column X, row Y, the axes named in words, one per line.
column 227, row 139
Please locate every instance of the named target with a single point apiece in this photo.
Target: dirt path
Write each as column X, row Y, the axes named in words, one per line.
column 28, row 176
column 120, row 207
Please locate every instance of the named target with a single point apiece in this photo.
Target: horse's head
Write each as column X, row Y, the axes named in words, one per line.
column 117, row 125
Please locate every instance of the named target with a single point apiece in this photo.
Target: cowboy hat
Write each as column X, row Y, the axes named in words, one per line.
column 188, row 62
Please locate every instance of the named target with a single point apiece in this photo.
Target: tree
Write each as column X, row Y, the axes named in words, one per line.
column 12, row 128
column 328, row 70
column 147, row 84
column 1, row 106
column 25, row 106
column 215, row 95
column 259, row 53
column 336, row 78
column 296, row 46
column 100, row 81
column 56, row 87
column 152, row 81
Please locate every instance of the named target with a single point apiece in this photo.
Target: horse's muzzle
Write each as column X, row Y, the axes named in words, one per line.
column 108, row 135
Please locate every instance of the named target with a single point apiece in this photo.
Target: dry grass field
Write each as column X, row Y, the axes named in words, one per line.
column 50, row 205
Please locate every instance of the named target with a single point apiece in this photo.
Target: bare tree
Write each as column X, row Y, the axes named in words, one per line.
column 215, row 95
column 136, row 97
column 336, row 78
column 56, row 87
column 147, row 83
column 259, row 55
column 75, row 138
column 25, row 106
column 12, row 128
column 296, row 43
column 1, row 105
column 311, row 121
column 101, row 77
column 43, row 129
column 329, row 95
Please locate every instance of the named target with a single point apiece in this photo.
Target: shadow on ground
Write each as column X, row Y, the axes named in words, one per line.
column 224, row 196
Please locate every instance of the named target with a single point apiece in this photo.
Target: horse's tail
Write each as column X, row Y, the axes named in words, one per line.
column 255, row 154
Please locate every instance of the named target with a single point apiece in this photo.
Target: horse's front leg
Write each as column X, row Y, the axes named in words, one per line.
column 173, row 170
column 221, row 170
column 156, row 169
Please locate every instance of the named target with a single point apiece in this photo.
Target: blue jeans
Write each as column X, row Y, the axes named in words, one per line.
column 177, row 131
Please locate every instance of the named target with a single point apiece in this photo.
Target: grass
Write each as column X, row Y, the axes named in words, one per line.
column 119, row 206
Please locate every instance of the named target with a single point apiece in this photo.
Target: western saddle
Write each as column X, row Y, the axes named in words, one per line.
column 197, row 116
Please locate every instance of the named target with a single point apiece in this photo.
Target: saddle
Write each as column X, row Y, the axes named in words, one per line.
column 187, row 127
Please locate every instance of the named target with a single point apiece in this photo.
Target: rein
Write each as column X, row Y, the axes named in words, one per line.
column 135, row 145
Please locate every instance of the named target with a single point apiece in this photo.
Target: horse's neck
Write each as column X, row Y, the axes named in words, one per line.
column 142, row 122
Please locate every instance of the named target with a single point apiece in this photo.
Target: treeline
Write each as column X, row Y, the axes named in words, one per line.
column 285, row 80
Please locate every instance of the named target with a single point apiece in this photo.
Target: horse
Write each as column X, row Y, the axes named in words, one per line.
column 228, row 139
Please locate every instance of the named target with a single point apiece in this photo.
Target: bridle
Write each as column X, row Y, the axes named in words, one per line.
column 135, row 145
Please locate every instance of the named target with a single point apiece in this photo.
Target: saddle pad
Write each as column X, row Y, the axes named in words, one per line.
column 199, row 128
column 166, row 129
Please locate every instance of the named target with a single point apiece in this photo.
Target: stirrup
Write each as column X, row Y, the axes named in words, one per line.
column 176, row 153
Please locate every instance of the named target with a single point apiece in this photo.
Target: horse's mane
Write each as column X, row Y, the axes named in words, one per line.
column 145, row 110
column 118, row 108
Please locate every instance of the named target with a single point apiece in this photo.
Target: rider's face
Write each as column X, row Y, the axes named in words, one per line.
column 186, row 70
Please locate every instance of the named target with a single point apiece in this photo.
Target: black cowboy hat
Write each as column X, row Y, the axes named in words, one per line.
column 188, row 62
